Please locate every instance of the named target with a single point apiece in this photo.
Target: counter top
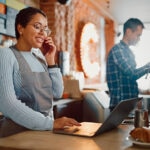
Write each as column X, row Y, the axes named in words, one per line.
column 46, row 140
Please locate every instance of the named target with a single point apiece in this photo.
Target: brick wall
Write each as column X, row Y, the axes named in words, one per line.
column 66, row 22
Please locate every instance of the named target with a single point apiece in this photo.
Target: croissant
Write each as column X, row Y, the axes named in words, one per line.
column 141, row 134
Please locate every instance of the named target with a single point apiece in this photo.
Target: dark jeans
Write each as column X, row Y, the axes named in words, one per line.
column 9, row 127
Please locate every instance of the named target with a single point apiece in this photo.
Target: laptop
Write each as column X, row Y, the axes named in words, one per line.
column 116, row 117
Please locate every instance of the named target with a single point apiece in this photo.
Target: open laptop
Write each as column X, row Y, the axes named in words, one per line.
column 115, row 118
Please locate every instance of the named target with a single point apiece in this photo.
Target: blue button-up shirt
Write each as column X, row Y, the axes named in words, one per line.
column 122, row 74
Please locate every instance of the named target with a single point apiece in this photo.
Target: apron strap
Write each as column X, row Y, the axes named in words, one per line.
column 41, row 61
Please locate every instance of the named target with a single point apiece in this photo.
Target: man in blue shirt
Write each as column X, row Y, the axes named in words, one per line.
column 121, row 66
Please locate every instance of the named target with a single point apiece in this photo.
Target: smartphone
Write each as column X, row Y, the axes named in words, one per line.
column 46, row 47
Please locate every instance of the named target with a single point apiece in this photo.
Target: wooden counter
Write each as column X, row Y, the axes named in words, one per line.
column 46, row 140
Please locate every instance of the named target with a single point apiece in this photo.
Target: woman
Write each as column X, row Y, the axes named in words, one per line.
column 28, row 84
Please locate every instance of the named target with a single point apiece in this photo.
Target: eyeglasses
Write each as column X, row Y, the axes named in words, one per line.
column 40, row 28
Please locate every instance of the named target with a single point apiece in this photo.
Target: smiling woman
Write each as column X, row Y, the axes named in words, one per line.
column 28, row 85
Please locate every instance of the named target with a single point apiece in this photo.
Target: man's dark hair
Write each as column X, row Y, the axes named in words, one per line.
column 24, row 16
column 132, row 24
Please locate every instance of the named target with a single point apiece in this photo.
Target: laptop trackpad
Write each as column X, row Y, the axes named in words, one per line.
column 86, row 129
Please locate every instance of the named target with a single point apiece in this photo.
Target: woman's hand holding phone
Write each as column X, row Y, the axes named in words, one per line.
column 49, row 49
column 46, row 47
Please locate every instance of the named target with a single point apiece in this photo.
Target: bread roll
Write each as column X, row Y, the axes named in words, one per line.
column 141, row 134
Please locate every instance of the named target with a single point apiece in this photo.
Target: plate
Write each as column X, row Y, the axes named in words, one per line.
column 138, row 143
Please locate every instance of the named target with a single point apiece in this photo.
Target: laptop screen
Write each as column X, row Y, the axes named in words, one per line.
column 120, row 112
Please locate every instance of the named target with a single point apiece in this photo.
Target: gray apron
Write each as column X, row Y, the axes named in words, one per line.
column 36, row 92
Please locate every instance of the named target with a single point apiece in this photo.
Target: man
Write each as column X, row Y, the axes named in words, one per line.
column 121, row 66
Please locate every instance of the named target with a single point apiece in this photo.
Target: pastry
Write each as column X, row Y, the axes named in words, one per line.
column 141, row 134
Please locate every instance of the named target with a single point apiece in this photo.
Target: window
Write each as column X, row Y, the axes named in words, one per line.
column 142, row 56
